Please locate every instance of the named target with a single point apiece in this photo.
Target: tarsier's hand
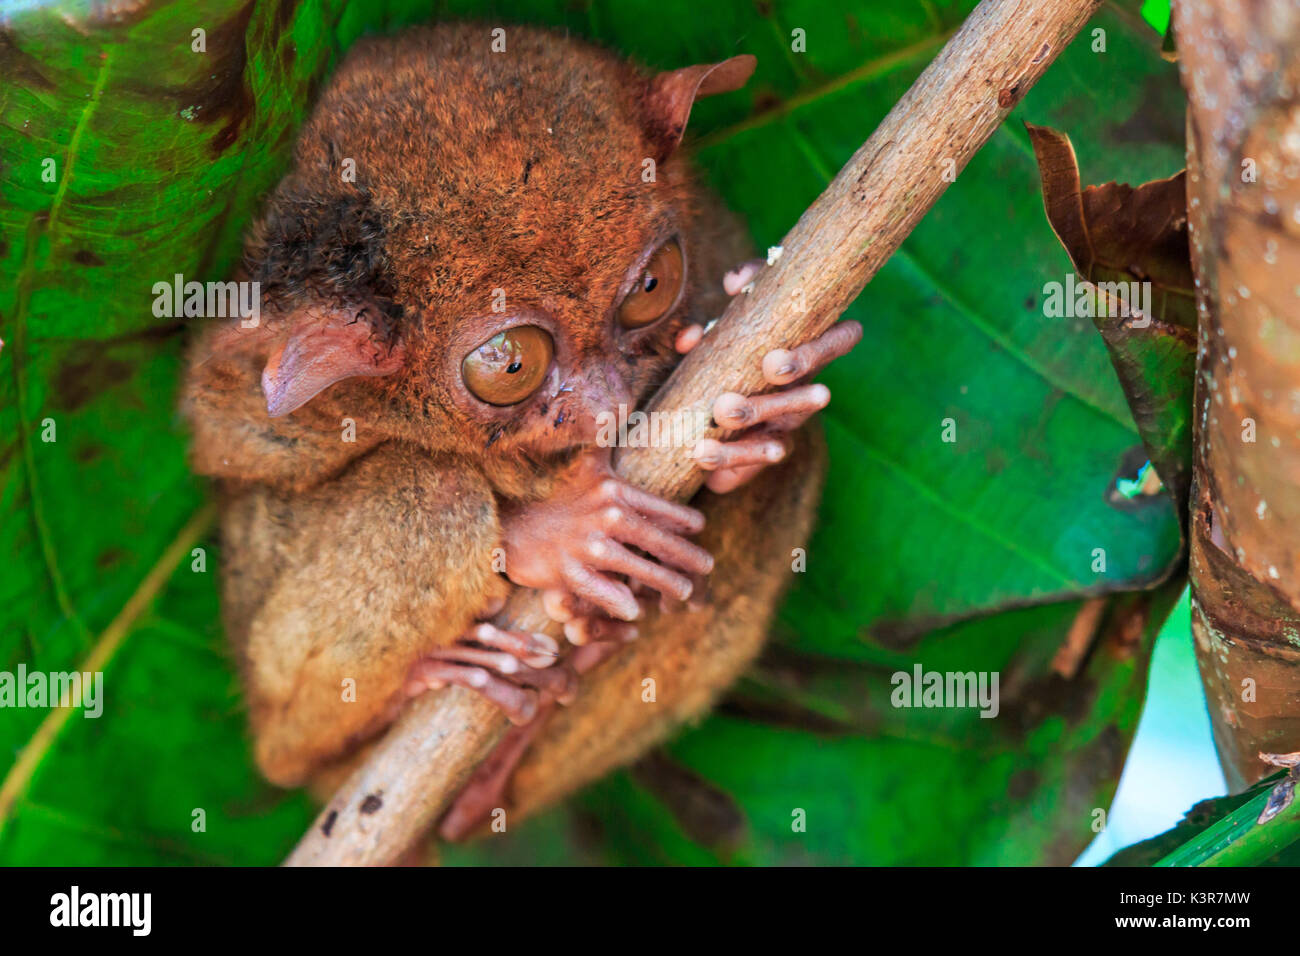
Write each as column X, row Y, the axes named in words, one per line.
column 579, row 541
column 571, row 544
column 765, row 421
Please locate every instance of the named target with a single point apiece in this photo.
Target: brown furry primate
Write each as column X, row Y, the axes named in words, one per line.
column 476, row 255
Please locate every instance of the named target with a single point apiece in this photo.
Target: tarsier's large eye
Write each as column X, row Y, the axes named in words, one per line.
column 656, row 288
column 509, row 367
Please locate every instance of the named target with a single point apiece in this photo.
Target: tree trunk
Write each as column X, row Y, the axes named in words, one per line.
column 1240, row 65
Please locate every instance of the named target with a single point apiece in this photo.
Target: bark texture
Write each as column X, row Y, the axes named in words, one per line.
column 1240, row 65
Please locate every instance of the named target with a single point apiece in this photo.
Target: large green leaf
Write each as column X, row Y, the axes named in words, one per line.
column 161, row 155
column 915, row 530
column 881, row 785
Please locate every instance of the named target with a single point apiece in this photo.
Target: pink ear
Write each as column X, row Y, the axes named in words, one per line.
column 671, row 95
column 323, row 349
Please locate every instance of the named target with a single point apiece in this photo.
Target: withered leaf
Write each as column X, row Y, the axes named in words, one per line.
column 1117, row 235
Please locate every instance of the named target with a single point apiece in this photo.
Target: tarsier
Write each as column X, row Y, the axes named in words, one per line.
column 475, row 255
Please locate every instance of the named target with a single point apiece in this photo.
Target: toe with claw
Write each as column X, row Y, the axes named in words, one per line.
column 486, row 789
column 510, row 668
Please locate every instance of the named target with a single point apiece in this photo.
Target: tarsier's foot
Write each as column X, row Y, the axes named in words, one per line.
column 486, row 789
column 510, row 668
column 585, row 547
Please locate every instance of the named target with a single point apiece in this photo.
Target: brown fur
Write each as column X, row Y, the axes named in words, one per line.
column 347, row 561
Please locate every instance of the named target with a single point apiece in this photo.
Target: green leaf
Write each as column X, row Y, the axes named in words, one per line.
column 1195, row 822
column 916, row 531
column 127, row 157
column 1156, row 13
column 1225, row 831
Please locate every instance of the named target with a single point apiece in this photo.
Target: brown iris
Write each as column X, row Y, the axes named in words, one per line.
column 656, row 289
column 509, row 367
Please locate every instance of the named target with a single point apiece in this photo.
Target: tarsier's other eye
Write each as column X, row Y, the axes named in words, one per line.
column 656, row 288
column 509, row 367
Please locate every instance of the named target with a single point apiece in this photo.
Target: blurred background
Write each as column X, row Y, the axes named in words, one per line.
column 1172, row 763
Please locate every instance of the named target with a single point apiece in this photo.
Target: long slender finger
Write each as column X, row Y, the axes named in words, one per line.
column 677, row 517
column 729, row 479
column 582, row 631
column 507, row 665
column 734, row 282
column 535, row 650
column 688, row 338
column 612, row 597
column 713, row 455
column 609, row 555
column 560, row 683
column 672, row 550
column 519, row 704
column 734, row 411
column 783, row 366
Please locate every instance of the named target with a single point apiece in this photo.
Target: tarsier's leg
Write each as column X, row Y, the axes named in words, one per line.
column 689, row 655
column 330, row 603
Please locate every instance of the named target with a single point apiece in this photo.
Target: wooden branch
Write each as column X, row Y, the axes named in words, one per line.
column 830, row 254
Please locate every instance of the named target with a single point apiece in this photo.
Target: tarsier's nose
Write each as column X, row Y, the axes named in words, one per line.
column 591, row 396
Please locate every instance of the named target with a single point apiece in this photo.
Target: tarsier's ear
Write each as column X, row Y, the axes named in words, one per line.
column 671, row 95
column 324, row 347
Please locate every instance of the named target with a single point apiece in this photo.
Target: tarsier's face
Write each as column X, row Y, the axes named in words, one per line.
column 510, row 226
column 530, row 372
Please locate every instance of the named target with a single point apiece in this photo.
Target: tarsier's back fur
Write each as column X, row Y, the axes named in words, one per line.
column 432, row 176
